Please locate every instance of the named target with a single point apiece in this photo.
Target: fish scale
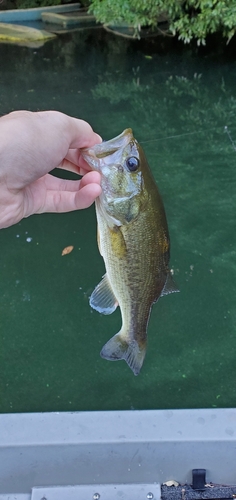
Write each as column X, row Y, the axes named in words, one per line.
column 133, row 241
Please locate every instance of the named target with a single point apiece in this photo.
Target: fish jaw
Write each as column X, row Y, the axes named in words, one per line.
column 122, row 194
column 106, row 148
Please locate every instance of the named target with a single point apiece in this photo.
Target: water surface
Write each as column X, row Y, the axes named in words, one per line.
column 178, row 103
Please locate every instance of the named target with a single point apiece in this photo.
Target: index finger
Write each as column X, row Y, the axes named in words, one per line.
column 80, row 133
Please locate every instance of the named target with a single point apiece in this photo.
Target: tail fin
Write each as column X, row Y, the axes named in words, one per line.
column 118, row 348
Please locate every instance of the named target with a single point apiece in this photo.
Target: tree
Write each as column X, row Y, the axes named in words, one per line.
column 189, row 19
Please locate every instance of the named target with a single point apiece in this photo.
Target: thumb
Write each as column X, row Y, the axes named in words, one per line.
column 67, row 201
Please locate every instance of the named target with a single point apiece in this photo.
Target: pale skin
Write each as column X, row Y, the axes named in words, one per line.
column 33, row 144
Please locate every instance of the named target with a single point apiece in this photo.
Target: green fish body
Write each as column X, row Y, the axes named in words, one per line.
column 133, row 240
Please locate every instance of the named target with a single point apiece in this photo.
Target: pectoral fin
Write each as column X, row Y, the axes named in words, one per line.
column 170, row 286
column 103, row 298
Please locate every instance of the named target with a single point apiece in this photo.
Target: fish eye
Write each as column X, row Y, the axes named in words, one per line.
column 132, row 163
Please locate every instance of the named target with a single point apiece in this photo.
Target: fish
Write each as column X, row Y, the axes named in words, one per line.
column 134, row 242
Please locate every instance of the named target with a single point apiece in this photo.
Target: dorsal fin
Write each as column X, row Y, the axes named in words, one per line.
column 169, row 286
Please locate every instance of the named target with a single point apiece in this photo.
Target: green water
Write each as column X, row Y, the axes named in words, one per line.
column 180, row 101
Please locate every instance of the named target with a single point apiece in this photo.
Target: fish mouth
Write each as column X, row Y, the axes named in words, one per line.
column 107, row 148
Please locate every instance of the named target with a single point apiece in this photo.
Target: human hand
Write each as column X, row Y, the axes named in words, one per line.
column 33, row 144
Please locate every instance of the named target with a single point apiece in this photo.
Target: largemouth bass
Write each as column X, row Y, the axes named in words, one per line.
column 134, row 242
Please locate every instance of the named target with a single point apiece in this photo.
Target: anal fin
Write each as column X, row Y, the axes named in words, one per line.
column 103, row 299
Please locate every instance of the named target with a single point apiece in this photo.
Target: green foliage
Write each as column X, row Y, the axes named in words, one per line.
column 30, row 4
column 188, row 102
column 188, row 19
column 134, row 12
column 204, row 18
column 111, row 91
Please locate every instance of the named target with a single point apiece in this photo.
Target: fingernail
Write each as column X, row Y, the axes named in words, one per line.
column 99, row 138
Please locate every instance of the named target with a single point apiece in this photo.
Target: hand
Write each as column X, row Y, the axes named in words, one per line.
column 33, row 144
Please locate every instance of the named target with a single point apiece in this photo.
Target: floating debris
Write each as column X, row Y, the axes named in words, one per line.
column 67, row 250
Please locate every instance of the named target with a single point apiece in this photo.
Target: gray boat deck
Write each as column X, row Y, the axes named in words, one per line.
column 117, row 454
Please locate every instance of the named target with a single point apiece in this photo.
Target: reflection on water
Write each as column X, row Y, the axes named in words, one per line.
column 178, row 104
